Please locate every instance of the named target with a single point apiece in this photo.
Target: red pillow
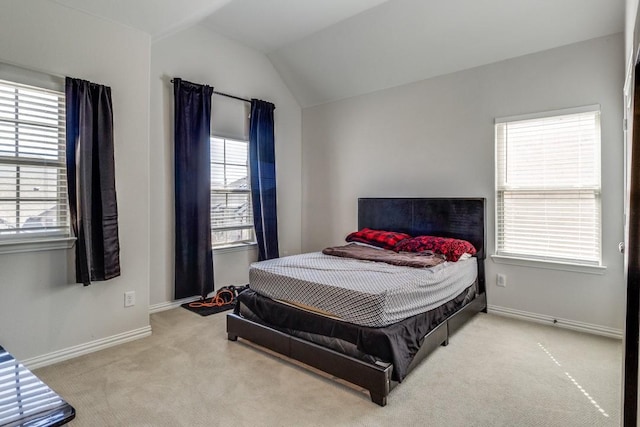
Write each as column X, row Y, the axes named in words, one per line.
column 379, row 238
column 451, row 248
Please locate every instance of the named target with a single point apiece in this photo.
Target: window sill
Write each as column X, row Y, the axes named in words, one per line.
column 234, row 248
column 550, row 265
column 36, row 245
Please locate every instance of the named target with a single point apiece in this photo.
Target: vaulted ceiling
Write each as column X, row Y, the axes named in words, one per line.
column 331, row 49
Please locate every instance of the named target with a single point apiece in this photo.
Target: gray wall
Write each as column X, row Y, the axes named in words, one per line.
column 42, row 310
column 44, row 316
column 431, row 138
column 435, row 138
column 631, row 8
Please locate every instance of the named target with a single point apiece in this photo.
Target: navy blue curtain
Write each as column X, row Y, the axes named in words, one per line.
column 262, row 165
column 91, row 180
column 193, row 252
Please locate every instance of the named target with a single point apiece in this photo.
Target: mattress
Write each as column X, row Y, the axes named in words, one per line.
column 360, row 292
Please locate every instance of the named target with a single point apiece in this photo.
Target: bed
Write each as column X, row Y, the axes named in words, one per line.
column 380, row 355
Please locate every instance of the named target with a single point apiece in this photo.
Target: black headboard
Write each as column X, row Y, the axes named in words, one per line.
column 461, row 218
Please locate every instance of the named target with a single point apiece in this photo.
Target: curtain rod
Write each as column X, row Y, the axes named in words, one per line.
column 232, row 96
column 229, row 96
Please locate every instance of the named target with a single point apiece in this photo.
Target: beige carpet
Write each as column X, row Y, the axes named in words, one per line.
column 495, row 372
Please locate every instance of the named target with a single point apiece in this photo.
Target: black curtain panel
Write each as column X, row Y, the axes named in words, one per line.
column 91, row 180
column 262, row 164
column 193, row 252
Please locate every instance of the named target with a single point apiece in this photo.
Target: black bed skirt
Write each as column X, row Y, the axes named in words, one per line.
column 397, row 343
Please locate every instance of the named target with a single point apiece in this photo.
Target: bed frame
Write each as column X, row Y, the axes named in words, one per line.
column 462, row 218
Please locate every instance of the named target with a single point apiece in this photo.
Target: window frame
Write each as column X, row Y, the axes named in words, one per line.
column 238, row 244
column 38, row 240
column 530, row 260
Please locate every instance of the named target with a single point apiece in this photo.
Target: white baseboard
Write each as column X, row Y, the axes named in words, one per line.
column 90, row 347
column 562, row 323
column 155, row 308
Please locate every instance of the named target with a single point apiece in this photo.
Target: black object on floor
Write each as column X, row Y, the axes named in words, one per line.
column 223, row 300
column 26, row 400
column 205, row 310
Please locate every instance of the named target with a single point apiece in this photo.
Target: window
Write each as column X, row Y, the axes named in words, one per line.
column 548, row 186
column 33, row 191
column 231, row 213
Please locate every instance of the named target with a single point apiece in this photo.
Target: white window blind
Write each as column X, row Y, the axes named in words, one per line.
column 33, row 191
column 231, row 213
column 548, row 186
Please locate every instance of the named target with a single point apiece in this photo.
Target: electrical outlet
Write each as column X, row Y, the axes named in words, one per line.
column 501, row 280
column 129, row 298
